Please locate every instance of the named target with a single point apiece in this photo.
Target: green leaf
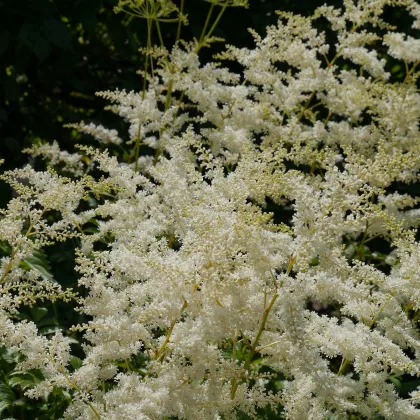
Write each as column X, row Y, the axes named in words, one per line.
column 4, row 405
column 38, row 261
column 6, row 393
column 396, row 68
column 9, row 356
column 49, row 330
column 24, row 383
column 38, row 313
column 90, row 229
column 20, row 403
column 408, row 386
column 257, row 364
column 35, row 376
column 395, row 381
column 75, row 362
column 279, row 385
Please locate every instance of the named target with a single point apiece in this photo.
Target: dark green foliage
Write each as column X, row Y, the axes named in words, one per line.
column 13, row 384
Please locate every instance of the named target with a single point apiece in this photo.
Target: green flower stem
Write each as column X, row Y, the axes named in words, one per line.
column 213, row 27
column 159, row 31
column 178, row 31
column 306, row 105
column 343, row 366
column 73, row 385
column 253, row 349
column 200, row 45
column 171, row 82
column 137, row 149
column 146, row 58
column 203, row 32
column 410, row 72
column 345, row 362
column 235, row 381
column 9, row 265
column 162, row 348
column 381, row 309
column 146, row 65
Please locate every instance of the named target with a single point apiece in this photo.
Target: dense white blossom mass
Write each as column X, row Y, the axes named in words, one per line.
column 198, row 280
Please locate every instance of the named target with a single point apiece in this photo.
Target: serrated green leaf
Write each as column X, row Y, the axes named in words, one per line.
column 9, row 356
column 4, row 405
column 24, row 383
column 38, row 261
column 6, row 393
column 33, row 375
column 38, row 313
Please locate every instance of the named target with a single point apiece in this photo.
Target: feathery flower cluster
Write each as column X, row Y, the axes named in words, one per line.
column 203, row 305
